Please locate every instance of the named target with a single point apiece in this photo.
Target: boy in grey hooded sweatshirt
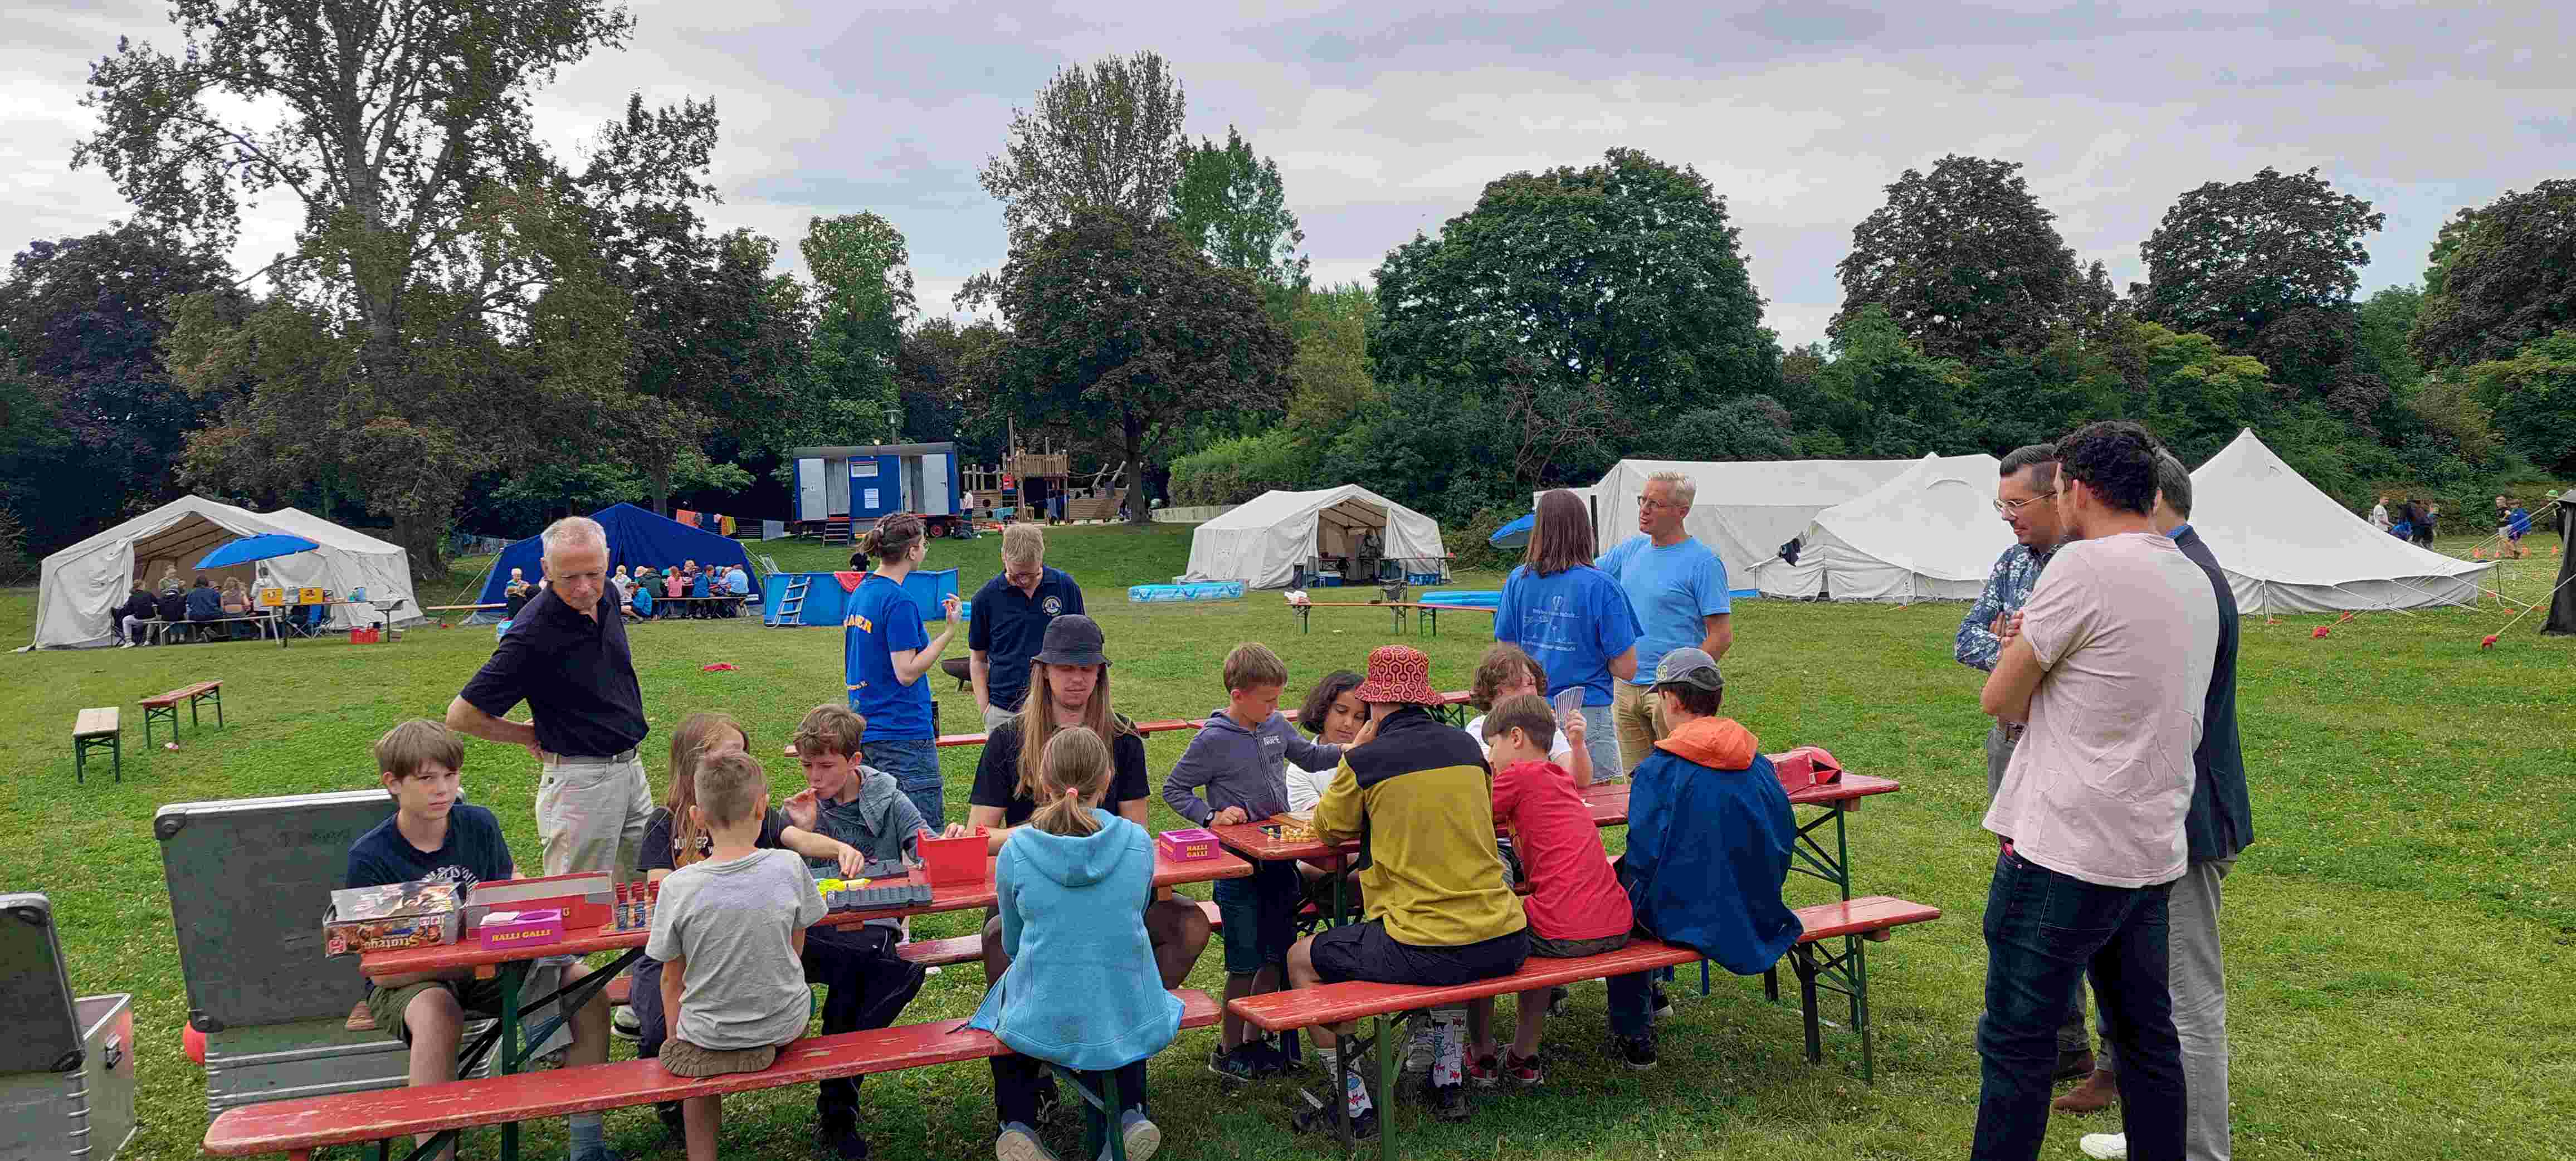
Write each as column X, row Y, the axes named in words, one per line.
column 1235, row 772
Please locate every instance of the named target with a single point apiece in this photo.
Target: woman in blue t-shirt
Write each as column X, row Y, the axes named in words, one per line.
column 885, row 653
column 1573, row 619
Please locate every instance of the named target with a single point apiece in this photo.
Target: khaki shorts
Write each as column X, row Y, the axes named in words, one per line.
column 481, row 1000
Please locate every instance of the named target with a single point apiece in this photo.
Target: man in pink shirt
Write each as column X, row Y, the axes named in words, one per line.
column 2108, row 671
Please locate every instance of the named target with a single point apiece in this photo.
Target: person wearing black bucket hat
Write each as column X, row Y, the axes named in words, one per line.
column 1069, row 686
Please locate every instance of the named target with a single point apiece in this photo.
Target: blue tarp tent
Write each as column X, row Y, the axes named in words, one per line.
column 826, row 602
column 635, row 537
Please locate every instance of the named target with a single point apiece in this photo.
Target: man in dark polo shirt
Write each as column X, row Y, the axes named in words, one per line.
column 1010, row 620
column 566, row 656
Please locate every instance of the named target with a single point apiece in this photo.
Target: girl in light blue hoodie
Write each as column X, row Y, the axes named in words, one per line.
column 1082, row 990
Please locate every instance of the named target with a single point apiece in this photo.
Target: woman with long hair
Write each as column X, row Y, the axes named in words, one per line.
column 885, row 655
column 1069, row 687
column 1573, row 619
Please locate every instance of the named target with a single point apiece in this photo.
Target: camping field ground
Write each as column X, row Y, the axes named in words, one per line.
column 2399, row 940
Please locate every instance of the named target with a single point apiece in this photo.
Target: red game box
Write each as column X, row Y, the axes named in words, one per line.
column 521, row 928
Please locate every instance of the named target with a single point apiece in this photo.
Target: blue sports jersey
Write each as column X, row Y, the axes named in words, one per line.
column 883, row 621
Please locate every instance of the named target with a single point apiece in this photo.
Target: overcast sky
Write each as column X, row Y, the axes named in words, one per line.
column 1387, row 119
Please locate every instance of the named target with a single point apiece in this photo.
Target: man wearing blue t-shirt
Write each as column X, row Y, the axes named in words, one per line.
column 1678, row 589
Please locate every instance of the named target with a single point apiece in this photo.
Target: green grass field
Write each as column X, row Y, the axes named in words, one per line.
column 2399, row 939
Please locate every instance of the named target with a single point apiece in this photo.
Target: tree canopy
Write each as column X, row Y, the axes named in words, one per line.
column 2231, row 259
column 1102, row 137
column 1621, row 278
column 1230, row 203
column 1965, row 261
column 2504, row 276
column 1121, row 325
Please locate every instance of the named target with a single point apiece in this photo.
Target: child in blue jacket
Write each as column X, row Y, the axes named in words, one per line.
column 1709, row 841
column 1082, row 990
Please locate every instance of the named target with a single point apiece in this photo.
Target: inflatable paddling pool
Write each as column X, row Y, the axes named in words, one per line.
column 1200, row 591
column 1480, row 598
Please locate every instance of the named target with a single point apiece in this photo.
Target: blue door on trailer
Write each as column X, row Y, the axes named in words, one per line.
column 876, row 486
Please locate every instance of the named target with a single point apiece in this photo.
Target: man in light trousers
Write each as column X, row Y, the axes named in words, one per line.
column 2218, row 828
column 566, row 657
column 1677, row 588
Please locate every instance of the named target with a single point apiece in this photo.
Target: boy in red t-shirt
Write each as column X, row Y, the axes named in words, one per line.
column 1575, row 905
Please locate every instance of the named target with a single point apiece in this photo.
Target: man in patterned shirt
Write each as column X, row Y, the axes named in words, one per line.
column 2025, row 496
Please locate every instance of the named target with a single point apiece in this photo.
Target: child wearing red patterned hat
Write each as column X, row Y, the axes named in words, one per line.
column 1420, row 798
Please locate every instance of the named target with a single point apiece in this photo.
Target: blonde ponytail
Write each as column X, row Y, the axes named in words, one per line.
column 1073, row 776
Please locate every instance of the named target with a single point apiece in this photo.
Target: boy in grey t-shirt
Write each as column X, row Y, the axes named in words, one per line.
column 730, row 931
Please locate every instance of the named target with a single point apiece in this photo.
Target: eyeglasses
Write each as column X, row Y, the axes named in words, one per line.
column 2014, row 507
column 1651, row 502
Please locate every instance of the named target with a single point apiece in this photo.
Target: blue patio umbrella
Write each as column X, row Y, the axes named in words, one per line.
column 260, row 547
column 1515, row 534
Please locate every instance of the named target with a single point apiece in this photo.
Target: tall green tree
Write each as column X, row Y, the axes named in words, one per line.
column 1106, row 136
column 1621, row 280
column 2382, row 323
column 718, row 347
column 1121, row 326
column 2231, row 258
column 2531, row 396
column 949, row 376
column 2506, row 279
column 83, row 320
column 1966, row 262
column 1330, row 376
column 863, row 286
column 1230, row 203
column 431, row 212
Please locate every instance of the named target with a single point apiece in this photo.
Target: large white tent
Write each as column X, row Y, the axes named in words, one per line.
column 1262, row 542
column 1745, row 509
column 2288, row 548
column 80, row 585
column 1929, row 534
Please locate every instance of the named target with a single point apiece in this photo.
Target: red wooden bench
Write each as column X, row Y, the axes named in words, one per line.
column 1855, row 921
column 166, row 706
column 298, row 1127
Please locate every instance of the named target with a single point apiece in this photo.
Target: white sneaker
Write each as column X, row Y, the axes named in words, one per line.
column 2105, row 1146
column 1422, row 1047
column 1019, row 1142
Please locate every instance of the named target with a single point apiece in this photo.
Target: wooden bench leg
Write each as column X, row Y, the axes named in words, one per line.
column 218, row 693
column 1806, row 967
column 80, row 761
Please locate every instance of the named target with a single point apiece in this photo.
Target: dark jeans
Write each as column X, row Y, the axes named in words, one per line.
column 914, row 762
column 1017, row 1080
column 2044, row 932
column 865, row 987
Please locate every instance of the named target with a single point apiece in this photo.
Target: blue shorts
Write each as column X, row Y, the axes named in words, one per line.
column 1260, row 916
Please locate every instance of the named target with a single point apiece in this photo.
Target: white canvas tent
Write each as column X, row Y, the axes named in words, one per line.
column 1745, row 509
column 79, row 585
column 1929, row 534
column 2288, row 548
column 1262, row 541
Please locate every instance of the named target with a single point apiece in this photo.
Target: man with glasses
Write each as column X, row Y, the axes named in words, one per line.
column 2025, row 498
column 1677, row 588
column 1009, row 622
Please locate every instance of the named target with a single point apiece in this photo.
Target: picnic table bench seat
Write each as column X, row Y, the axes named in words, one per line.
column 97, row 728
column 298, row 1127
column 1869, row 918
column 165, row 706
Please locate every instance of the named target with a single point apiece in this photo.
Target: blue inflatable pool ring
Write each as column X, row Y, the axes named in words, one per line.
column 1200, row 591
column 1480, row 598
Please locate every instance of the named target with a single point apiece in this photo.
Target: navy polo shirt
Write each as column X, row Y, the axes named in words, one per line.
column 1009, row 625
column 574, row 672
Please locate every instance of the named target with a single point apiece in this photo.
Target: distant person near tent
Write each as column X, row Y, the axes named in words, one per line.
column 2512, row 524
column 2426, row 518
column 2379, row 514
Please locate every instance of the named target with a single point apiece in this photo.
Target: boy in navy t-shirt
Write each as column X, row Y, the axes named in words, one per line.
column 434, row 835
